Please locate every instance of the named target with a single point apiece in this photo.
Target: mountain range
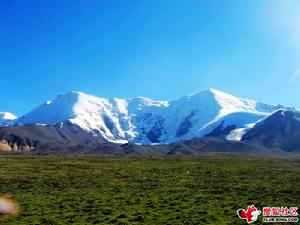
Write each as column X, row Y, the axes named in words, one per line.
column 77, row 120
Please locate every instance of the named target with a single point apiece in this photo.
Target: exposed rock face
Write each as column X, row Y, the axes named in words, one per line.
column 56, row 139
column 280, row 130
column 15, row 146
column 32, row 137
column 156, row 131
column 221, row 130
column 4, row 146
column 186, row 125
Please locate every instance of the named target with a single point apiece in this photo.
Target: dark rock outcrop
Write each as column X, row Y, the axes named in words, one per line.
column 281, row 130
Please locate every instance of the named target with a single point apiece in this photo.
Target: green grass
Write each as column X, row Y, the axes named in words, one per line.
column 57, row 190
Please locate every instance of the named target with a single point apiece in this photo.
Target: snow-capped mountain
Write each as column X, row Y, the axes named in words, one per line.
column 6, row 118
column 200, row 114
column 147, row 121
column 115, row 120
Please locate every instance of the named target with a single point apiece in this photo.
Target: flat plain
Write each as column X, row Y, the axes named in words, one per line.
column 94, row 190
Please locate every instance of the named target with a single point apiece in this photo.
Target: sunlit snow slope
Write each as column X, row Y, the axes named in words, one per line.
column 143, row 120
column 6, row 118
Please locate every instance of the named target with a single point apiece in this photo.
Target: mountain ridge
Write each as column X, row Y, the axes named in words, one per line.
column 147, row 121
column 141, row 120
column 280, row 130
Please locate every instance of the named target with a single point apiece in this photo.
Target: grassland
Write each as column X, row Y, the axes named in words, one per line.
column 61, row 190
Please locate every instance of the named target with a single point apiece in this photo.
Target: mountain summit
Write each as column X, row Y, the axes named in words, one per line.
column 144, row 120
column 6, row 118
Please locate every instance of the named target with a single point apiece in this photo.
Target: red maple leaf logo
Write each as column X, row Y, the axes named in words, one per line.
column 250, row 214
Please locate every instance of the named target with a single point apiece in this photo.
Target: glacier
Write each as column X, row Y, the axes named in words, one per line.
column 143, row 120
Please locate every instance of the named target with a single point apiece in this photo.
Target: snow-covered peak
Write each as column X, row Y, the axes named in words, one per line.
column 103, row 117
column 52, row 112
column 226, row 102
column 6, row 118
column 145, row 120
column 65, row 107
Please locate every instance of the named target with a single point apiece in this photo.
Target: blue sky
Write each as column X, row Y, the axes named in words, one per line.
column 160, row 49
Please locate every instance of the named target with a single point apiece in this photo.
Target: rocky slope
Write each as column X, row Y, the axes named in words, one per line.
column 280, row 130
